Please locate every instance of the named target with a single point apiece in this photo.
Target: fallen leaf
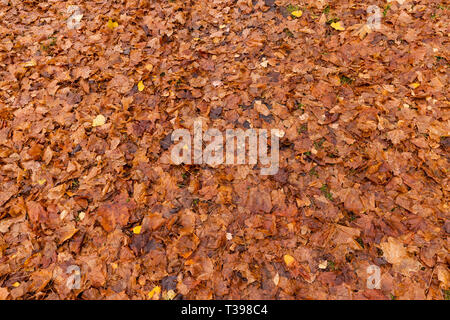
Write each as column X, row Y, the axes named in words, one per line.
column 141, row 85
column 396, row 254
column 149, row 67
column 99, row 121
column 338, row 26
column 112, row 24
column 66, row 232
column 154, row 294
column 137, row 229
column 115, row 213
column 3, row 293
column 288, row 260
column 30, row 63
column 170, row 295
column 297, row 13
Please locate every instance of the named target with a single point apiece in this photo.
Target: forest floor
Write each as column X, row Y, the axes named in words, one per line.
column 92, row 208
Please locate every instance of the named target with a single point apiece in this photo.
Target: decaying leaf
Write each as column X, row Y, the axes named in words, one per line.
column 115, row 213
column 395, row 253
column 354, row 100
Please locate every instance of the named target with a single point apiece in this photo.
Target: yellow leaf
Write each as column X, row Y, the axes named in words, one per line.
column 30, row 63
column 154, row 293
column 112, row 24
column 297, row 13
column 81, row 215
column 137, row 229
column 288, row 259
column 98, row 121
column 170, row 295
column 42, row 181
column 141, row 85
column 414, row 85
column 16, row 284
column 338, row 26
